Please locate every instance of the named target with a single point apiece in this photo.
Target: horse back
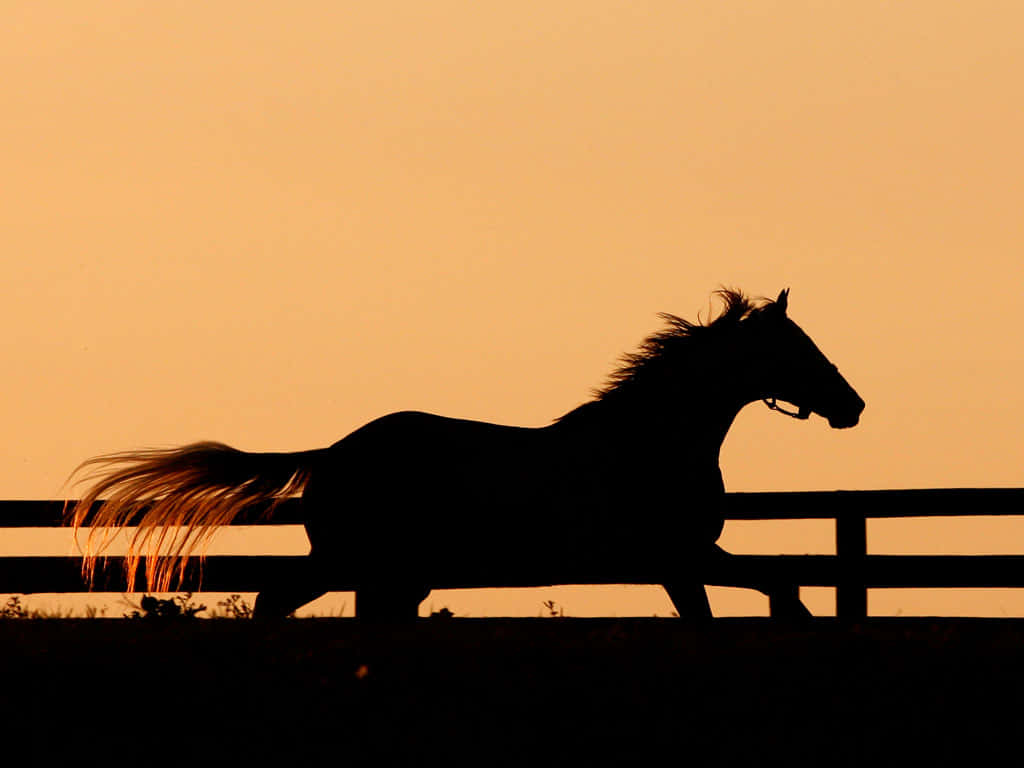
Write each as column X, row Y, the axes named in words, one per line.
column 439, row 492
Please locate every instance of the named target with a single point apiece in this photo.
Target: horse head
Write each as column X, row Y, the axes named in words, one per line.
column 790, row 367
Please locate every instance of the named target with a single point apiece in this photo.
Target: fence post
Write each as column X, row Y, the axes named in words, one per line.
column 851, row 549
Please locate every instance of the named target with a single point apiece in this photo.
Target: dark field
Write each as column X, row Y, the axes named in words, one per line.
column 516, row 692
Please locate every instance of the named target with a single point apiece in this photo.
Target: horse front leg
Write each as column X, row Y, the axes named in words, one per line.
column 784, row 602
column 783, row 599
column 690, row 599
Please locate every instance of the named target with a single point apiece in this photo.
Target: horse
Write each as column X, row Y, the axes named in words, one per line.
column 625, row 488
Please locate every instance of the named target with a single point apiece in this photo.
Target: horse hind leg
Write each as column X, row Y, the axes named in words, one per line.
column 300, row 586
column 389, row 602
column 280, row 602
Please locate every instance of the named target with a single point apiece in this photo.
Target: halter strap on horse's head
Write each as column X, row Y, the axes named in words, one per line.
column 801, row 413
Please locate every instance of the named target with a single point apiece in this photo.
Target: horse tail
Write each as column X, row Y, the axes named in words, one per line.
column 176, row 498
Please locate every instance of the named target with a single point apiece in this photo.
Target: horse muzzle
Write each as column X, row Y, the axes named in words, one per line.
column 849, row 418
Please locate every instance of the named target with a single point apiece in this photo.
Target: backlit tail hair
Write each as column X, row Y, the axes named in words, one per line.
column 176, row 498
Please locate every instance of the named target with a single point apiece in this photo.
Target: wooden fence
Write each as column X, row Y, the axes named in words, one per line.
column 851, row 570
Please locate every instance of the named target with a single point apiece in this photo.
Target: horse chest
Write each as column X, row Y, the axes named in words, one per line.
column 622, row 521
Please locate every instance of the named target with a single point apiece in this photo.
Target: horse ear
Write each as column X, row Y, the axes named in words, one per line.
column 783, row 301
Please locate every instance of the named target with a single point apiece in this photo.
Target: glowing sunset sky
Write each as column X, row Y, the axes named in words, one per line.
column 268, row 224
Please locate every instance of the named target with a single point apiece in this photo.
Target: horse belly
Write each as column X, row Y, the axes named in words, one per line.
column 460, row 505
column 499, row 538
column 436, row 531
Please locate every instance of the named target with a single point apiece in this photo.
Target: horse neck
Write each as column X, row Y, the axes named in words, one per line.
column 699, row 418
column 693, row 419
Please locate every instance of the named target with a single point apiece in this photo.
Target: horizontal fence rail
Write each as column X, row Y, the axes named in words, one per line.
column 851, row 570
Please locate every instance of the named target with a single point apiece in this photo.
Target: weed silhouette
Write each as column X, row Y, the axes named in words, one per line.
column 177, row 607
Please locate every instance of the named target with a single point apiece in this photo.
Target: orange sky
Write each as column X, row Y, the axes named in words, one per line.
column 268, row 225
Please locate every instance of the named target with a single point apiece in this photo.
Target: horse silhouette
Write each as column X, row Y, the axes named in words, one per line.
column 625, row 488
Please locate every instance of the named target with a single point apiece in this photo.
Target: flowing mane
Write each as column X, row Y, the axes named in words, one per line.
column 678, row 341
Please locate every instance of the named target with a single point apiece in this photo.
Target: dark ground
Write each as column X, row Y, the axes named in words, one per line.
column 516, row 691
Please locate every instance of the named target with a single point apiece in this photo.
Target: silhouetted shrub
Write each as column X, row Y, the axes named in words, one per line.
column 177, row 607
column 234, row 607
column 13, row 609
